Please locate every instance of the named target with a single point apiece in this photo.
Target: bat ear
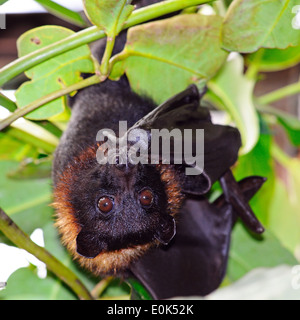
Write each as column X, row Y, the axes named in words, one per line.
column 221, row 147
column 88, row 245
column 166, row 231
column 206, row 149
column 194, row 185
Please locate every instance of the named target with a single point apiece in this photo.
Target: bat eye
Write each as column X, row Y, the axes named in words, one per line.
column 146, row 197
column 105, row 204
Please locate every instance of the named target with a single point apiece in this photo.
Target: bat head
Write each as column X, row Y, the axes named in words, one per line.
column 111, row 214
column 122, row 206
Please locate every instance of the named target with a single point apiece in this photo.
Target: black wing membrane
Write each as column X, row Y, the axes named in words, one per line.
column 221, row 143
column 195, row 262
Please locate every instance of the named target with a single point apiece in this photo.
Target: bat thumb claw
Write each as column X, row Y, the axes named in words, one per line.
column 167, row 231
column 239, row 200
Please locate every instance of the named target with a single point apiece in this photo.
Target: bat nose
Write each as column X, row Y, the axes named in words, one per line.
column 124, row 167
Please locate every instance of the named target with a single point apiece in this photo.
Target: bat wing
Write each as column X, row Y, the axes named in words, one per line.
column 194, row 263
column 221, row 143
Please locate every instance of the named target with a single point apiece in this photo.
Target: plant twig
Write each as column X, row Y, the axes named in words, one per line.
column 104, row 68
column 7, row 103
column 22, row 240
column 52, row 96
column 280, row 94
column 100, row 287
column 160, row 9
column 253, row 68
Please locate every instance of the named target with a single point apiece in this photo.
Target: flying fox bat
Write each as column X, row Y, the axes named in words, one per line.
column 149, row 220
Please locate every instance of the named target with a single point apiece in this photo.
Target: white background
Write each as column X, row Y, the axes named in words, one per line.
column 30, row 6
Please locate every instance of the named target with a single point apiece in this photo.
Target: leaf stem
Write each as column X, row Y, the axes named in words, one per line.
column 89, row 35
column 280, row 156
column 101, row 286
column 253, row 68
column 52, row 96
column 22, row 240
column 119, row 57
column 280, row 94
column 160, row 9
column 105, row 66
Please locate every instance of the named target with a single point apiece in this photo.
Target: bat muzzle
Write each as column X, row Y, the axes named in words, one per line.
column 90, row 243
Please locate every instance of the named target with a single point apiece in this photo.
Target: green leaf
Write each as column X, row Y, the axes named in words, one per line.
column 259, row 162
column 52, row 75
column 236, row 92
column 108, row 15
column 138, row 291
column 14, row 149
column 44, row 143
column 248, row 252
column 252, row 24
column 117, row 289
column 284, row 218
column 163, row 57
column 32, row 169
column 19, row 195
column 2, row 2
column 285, row 214
column 27, row 200
column 24, row 284
column 275, row 59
